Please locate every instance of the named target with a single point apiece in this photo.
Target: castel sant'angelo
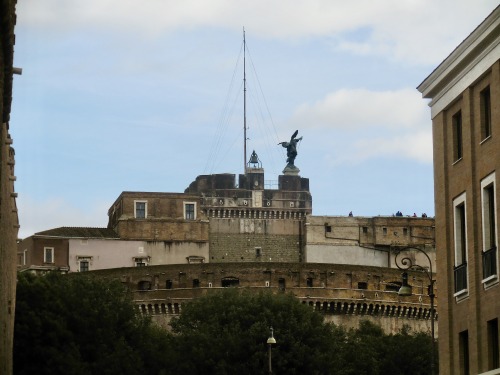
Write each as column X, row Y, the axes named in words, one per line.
column 228, row 231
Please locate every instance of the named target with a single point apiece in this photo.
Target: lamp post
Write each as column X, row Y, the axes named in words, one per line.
column 407, row 264
column 270, row 341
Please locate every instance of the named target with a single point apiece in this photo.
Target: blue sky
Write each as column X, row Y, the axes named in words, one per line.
column 140, row 96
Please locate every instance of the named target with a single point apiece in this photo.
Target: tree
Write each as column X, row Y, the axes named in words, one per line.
column 226, row 333
column 81, row 325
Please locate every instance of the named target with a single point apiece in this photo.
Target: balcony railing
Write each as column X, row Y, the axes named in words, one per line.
column 460, row 277
column 489, row 262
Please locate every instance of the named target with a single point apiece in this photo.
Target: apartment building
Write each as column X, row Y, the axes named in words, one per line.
column 465, row 107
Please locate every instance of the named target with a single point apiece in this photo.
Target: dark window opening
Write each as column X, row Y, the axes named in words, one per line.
column 493, row 347
column 84, row 265
column 460, row 236
column 196, row 283
column 365, row 230
column 460, row 273
column 258, row 251
column 144, row 285
column 384, row 231
column 140, row 210
column 457, row 136
column 489, row 263
column 489, row 216
column 281, row 283
column 169, row 284
column 485, row 103
column 328, row 229
column 309, row 282
column 362, row 285
column 189, row 207
column 405, row 231
column 230, row 282
column 393, row 286
column 463, row 348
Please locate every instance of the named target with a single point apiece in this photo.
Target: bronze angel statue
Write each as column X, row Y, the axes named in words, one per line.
column 291, row 149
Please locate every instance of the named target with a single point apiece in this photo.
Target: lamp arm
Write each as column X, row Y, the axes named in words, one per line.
column 406, row 263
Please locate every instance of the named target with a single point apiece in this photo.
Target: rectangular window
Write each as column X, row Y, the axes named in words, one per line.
column 456, row 122
column 140, row 209
column 190, row 211
column 362, row 285
column 328, row 229
column 493, row 347
column 460, row 223
column 48, row 255
column 309, row 282
column 485, row 104
column 489, row 227
column 384, row 231
column 365, row 230
column 463, row 347
column 84, row 265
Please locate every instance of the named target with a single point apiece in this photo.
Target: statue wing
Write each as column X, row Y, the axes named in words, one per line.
column 295, row 134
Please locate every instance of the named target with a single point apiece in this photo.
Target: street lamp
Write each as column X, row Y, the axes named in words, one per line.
column 270, row 341
column 407, row 264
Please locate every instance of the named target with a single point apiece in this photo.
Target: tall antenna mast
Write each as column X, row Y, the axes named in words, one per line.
column 244, row 104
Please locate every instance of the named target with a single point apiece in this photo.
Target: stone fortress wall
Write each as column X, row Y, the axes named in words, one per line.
column 345, row 294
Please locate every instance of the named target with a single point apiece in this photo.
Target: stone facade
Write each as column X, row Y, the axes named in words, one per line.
column 76, row 249
column 465, row 108
column 250, row 223
column 9, row 223
column 158, row 217
column 218, row 234
column 369, row 241
column 345, row 294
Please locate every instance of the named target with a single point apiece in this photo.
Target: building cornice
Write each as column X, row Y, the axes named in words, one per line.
column 464, row 65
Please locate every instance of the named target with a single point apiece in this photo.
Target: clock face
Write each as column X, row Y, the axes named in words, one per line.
column 256, row 183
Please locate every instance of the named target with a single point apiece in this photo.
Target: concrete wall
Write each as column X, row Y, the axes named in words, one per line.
column 168, row 252
column 104, row 254
column 371, row 241
column 346, row 255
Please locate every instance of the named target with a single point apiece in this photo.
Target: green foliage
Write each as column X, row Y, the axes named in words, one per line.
column 76, row 324
column 79, row 325
column 226, row 333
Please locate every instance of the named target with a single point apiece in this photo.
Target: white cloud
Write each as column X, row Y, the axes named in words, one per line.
column 414, row 146
column 422, row 31
column 360, row 108
column 39, row 215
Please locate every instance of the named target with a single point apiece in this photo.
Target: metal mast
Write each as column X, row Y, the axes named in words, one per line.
column 244, row 105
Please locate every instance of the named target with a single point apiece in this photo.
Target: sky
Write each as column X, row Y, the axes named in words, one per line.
column 122, row 95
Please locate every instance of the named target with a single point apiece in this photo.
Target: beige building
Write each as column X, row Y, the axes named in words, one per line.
column 368, row 241
column 465, row 106
column 75, row 249
column 9, row 223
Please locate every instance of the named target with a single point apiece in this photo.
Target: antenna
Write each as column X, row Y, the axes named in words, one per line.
column 244, row 104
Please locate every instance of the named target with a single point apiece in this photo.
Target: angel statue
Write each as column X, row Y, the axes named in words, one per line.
column 291, row 150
